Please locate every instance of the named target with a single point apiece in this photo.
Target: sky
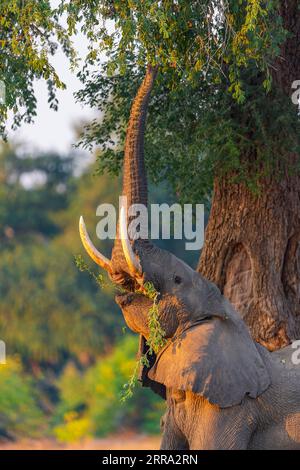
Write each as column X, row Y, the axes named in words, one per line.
column 54, row 130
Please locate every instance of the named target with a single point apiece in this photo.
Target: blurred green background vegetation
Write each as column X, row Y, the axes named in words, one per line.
column 68, row 353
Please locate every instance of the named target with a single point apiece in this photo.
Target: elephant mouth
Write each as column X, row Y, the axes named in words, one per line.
column 126, row 299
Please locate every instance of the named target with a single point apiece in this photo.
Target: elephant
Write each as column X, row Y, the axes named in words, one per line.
column 222, row 389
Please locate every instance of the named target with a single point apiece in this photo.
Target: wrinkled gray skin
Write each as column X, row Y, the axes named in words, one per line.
column 223, row 390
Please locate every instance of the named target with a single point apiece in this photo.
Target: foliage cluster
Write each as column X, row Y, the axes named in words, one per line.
column 215, row 109
column 20, row 415
column 188, row 39
column 196, row 132
column 90, row 402
column 30, row 33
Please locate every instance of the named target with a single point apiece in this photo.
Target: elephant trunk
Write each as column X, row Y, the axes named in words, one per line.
column 124, row 267
column 134, row 174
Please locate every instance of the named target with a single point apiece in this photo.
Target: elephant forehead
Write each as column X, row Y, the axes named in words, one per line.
column 292, row 426
column 178, row 266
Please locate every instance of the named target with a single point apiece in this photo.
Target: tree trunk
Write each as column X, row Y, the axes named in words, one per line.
column 252, row 253
column 252, row 243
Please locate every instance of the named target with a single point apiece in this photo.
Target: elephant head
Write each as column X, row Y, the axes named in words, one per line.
column 208, row 350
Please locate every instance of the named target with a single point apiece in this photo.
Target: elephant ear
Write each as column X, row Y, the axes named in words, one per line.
column 157, row 387
column 216, row 359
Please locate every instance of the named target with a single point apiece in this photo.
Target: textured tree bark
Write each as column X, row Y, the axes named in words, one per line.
column 252, row 247
column 286, row 68
column 252, row 253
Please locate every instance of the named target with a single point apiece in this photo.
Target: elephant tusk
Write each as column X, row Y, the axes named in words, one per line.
column 96, row 256
column 132, row 262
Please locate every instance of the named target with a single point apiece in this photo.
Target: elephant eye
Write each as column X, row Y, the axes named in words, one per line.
column 177, row 280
